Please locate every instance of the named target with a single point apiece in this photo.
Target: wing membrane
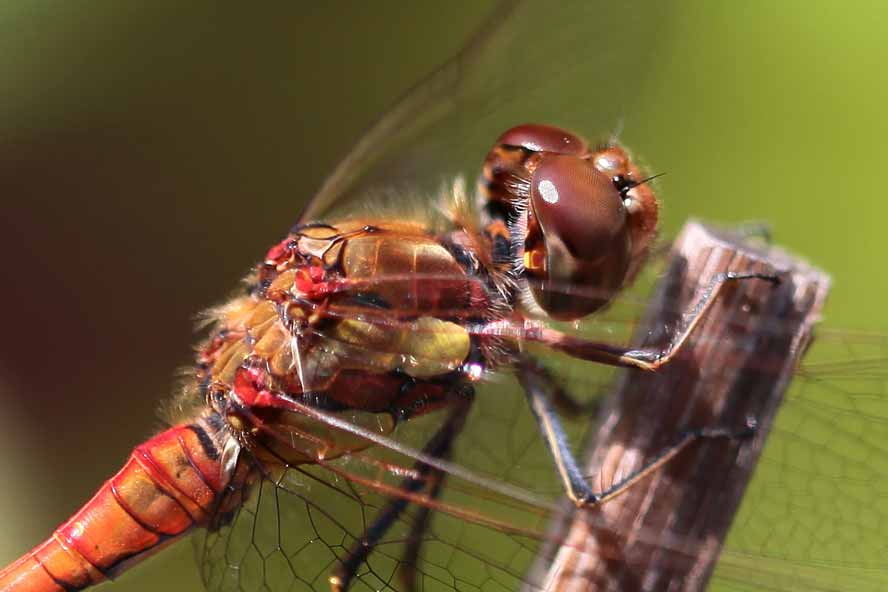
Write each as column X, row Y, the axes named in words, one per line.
column 812, row 517
column 814, row 512
column 576, row 64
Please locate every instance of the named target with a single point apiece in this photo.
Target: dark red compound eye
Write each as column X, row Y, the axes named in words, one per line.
column 544, row 138
column 585, row 236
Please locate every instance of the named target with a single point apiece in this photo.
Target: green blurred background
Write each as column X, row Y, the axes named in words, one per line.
column 149, row 154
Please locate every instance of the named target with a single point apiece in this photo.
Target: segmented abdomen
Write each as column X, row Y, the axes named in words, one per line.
column 169, row 484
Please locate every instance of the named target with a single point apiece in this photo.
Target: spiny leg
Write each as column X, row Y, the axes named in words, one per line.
column 539, row 388
column 439, row 446
column 646, row 359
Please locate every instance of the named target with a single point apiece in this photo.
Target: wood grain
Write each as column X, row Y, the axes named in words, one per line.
column 666, row 531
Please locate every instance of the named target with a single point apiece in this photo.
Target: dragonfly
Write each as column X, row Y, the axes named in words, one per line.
column 291, row 524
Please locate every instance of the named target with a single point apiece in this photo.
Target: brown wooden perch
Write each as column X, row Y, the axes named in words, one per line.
column 667, row 530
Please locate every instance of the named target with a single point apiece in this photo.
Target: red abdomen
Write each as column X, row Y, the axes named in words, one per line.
column 169, row 484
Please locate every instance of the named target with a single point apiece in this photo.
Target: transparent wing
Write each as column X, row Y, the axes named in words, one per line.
column 817, row 505
column 576, row 64
column 812, row 518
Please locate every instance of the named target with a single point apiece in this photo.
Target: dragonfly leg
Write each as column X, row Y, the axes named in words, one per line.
column 562, row 399
column 538, row 388
column 650, row 358
column 418, row 529
column 430, row 478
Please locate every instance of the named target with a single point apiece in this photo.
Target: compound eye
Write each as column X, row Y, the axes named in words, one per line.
column 544, row 138
column 583, row 223
column 577, row 204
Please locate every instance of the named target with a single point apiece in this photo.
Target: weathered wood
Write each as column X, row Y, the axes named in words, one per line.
column 666, row 531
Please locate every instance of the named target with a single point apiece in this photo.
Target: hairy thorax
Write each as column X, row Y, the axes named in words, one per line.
column 369, row 320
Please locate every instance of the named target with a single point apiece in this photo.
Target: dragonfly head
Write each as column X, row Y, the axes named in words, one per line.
column 584, row 219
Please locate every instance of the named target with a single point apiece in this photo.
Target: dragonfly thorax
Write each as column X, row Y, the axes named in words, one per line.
column 368, row 320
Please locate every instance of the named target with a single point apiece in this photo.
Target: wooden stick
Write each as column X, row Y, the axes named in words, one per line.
column 736, row 366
